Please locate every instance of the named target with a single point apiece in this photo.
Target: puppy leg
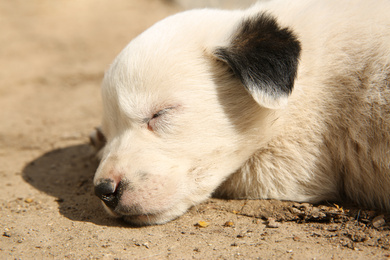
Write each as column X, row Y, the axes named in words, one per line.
column 98, row 141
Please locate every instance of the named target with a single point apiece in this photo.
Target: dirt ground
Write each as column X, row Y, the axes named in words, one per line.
column 52, row 58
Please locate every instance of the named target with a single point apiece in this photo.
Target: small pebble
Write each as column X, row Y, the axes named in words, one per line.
column 378, row 221
column 305, row 205
column 228, row 224
column 272, row 223
column 295, row 211
column 202, row 224
column 28, row 200
column 333, row 228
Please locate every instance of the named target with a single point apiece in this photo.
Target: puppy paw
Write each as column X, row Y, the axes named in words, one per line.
column 97, row 140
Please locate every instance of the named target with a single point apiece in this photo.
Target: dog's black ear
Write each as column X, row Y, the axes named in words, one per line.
column 264, row 57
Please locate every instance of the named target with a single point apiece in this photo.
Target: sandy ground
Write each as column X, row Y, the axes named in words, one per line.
column 52, row 58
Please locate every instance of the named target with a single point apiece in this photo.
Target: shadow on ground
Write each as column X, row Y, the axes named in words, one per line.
column 67, row 175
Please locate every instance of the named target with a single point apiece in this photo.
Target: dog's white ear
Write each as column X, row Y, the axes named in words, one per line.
column 264, row 57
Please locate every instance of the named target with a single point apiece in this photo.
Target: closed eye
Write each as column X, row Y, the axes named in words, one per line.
column 150, row 121
column 159, row 113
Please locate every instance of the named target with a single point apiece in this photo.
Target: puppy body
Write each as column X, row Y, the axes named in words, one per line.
column 215, row 101
column 334, row 140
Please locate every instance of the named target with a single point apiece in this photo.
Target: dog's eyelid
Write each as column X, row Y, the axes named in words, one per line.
column 161, row 112
column 156, row 115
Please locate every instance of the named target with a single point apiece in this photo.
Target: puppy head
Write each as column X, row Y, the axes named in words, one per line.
column 185, row 104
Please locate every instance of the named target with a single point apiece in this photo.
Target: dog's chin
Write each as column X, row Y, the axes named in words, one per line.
column 146, row 219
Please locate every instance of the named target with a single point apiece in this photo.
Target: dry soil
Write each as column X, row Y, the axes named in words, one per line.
column 52, row 58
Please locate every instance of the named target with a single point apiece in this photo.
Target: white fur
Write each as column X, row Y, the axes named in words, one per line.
column 329, row 140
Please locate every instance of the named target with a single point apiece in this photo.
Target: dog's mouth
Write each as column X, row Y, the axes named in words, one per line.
column 142, row 219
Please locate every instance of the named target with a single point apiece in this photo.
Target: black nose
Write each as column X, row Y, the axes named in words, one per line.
column 105, row 190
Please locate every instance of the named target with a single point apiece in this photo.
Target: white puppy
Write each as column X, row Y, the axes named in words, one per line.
column 287, row 100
